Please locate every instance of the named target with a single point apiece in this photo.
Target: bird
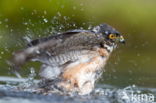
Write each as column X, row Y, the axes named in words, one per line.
column 74, row 59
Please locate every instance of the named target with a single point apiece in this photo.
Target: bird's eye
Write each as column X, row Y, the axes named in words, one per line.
column 112, row 36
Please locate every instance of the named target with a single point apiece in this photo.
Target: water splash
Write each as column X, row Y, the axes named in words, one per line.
column 30, row 83
column 129, row 94
column 45, row 20
column 102, row 94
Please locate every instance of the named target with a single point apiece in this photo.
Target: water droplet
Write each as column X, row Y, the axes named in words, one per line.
column 45, row 20
column 22, row 8
column 27, row 39
column 11, row 30
column 35, row 11
column 62, row 6
column 45, row 12
column 25, row 23
column 81, row 4
column 90, row 27
column 65, row 18
column 138, row 54
column 2, row 52
column 73, row 15
column 81, row 27
column 133, row 85
column 81, row 9
column 58, row 13
column 6, row 20
column 74, row 8
column 1, row 36
column 6, row 26
column 74, row 25
column 83, row 23
column 6, row 49
column 38, row 52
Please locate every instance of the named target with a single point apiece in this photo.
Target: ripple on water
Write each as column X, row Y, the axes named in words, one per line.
column 102, row 94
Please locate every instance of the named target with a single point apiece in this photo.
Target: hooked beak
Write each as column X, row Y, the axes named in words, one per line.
column 121, row 40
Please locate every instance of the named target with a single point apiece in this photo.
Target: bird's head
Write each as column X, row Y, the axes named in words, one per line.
column 110, row 35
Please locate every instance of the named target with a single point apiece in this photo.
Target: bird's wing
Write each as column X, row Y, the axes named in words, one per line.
column 56, row 45
column 55, row 37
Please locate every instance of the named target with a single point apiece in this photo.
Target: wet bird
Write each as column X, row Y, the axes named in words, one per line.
column 75, row 59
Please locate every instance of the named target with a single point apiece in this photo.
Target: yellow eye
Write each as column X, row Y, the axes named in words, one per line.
column 112, row 36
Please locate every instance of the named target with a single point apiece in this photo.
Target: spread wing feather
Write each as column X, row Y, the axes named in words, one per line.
column 53, row 46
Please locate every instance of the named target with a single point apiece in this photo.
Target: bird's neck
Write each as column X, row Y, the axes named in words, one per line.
column 109, row 48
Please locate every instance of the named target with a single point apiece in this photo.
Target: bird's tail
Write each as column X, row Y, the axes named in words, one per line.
column 19, row 58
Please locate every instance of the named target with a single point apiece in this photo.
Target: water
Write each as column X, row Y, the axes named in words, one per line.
column 24, row 91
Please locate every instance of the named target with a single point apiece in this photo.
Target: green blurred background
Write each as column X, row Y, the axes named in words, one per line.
column 133, row 63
